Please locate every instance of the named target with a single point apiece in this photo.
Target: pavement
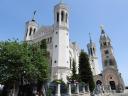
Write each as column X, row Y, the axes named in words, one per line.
column 105, row 94
column 114, row 94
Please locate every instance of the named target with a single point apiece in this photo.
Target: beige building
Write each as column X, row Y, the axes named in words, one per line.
column 110, row 78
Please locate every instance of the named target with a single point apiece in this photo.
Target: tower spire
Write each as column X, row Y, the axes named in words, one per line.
column 61, row 1
column 102, row 29
column 34, row 13
column 90, row 37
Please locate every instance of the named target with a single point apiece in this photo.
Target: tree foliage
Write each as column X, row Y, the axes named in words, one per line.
column 85, row 70
column 74, row 75
column 19, row 59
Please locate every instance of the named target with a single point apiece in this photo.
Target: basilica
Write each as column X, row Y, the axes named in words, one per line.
column 63, row 52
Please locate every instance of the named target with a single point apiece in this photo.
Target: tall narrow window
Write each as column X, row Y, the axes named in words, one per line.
column 62, row 16
column 50, row 39
column 30, row 31
column 105, row 43
column 58, row 16
column 111, row 62
column 34, row 30
column 105, row 62
column 106, row 52
column 91, row 52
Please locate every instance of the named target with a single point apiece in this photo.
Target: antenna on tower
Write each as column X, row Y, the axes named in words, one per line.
column 34, row 13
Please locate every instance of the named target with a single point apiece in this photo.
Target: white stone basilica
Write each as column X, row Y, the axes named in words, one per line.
column 62, row 50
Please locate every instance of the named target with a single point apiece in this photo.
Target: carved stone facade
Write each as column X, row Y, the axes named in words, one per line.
column 110, row 76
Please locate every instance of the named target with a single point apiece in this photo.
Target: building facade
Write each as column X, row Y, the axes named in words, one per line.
column 111, row 75
column 109, row 78
column 62, row 52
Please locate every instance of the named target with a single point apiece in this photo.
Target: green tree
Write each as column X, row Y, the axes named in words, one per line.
column 19, row 60
column 74, row 75
column 43, row 46
column 85, row 70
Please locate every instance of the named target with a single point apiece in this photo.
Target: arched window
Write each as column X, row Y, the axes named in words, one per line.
column 34, row 31
column 58, row 16
column 30, row 31
column 105, row 43
column 55, row 61
column 62, row 16
column 94, row 50
column 111, row 62
column 106, row 52
column 105, row 62
column 98, row 82
column 91, row 52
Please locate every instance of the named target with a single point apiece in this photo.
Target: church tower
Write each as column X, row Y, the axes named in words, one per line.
column 60, row 58
column 111, row 76
column 93, row 59
column 31, row 28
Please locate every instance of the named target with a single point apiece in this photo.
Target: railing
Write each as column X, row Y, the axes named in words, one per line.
column 70, row 89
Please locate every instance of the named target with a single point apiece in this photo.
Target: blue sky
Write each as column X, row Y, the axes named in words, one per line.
column 85, row 16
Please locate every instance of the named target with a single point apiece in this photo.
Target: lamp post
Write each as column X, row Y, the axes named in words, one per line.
column 83, row 87
column 77, row 87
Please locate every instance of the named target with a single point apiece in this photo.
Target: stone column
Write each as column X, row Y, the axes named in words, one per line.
column 110, row 89
column 77, row 87
column 103, row 89
column 83, row 89
column 69, row 89
column 58, row 90
column 88, row 88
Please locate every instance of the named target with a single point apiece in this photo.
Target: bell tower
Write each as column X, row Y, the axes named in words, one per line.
column 31, row 28
column 108, row 59
column 60, row 58
column 111, row 75
column 61, row 16
column 93, row 59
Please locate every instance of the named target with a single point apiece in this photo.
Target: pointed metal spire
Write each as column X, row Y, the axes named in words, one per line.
column 90, row 37
column 102, row 29
column 34, row 13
